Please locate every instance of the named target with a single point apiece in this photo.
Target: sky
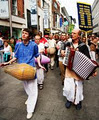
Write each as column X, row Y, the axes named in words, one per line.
column 71, row 7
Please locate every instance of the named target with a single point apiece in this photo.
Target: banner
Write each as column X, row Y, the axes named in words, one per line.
column 4, row 11
column 46, row 18
column 84, row 16
column 33, row 9
column 70, row 28
column 61, row 22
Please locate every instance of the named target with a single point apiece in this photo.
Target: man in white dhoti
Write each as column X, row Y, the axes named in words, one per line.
column 73, row 84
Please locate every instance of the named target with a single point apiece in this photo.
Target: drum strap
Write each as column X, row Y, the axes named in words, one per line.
column 80, row 45
column 17, row 48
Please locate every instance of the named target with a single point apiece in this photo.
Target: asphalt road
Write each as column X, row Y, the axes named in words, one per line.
column 51, row 103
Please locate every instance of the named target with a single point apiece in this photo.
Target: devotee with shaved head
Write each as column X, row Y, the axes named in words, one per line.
column 73, row 84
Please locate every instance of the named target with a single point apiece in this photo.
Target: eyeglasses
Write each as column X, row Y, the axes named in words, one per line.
column 37, row 39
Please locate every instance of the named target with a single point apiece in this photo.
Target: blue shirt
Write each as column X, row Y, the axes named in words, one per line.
column 26, row 53
column 1, row 45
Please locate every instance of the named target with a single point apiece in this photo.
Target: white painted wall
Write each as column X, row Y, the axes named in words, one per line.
column 95, row 15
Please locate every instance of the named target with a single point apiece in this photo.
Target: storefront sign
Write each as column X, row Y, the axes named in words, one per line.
column 84, row 16
column 4, row 12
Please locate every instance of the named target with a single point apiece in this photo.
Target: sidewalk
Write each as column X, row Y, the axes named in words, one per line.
column 51, row 103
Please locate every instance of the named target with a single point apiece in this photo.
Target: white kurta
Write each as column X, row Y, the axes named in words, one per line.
column 93, row 55
column 52, row 44
column 40, row 71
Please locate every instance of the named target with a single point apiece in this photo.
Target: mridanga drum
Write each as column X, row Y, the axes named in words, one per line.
column 51, row 51
column 44, row 59
column 21, row 71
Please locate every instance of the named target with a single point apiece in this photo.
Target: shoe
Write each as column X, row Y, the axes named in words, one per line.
column 68, row 104
column 52, row 68
column 29, row 115
column 63, row 83
column 41, row 86
column 49, row 66
column 26, row 102
column 79, row 106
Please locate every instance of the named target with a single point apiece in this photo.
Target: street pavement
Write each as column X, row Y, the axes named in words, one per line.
column 51, row 103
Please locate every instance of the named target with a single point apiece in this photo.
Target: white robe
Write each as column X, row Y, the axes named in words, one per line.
column 40, row 71
column 69, row 91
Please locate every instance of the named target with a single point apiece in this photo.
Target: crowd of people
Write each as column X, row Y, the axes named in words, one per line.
column 26, row 49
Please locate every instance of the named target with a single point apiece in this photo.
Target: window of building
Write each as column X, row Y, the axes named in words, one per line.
column 14, row 7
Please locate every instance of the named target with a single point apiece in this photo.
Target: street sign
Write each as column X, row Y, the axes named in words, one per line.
column 84, row 16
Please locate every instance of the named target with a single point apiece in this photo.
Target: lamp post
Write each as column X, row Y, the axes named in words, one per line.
column 10, row 17
column 37, row 15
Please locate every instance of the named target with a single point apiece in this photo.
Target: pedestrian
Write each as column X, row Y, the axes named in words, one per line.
column 12, row 44
column 84, row 40
column 40, row 71
column 56, row 54
column 73, row 84
column 61, row 65
column 51, row 50
column 92, row 50
column 1, row 43
column 45, row 42
column 25, row 52
column 19, row 40
column 7, row 50
column 1, row 48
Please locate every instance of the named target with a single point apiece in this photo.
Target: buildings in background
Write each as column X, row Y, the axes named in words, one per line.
column 38, row 15
column 66, row 20
column 16, row 20
column 95, row 17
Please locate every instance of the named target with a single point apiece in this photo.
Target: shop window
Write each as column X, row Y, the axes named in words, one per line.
column 14, row 7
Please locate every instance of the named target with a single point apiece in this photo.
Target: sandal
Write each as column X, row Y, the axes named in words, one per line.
column 40, row 86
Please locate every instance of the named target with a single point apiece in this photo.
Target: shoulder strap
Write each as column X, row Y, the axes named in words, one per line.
column 18, row 48
column 80, row 45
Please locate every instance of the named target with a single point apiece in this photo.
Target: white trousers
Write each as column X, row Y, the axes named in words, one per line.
column 32, row 92
column 52, row 57
column 73, row 90
column 40, row 75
